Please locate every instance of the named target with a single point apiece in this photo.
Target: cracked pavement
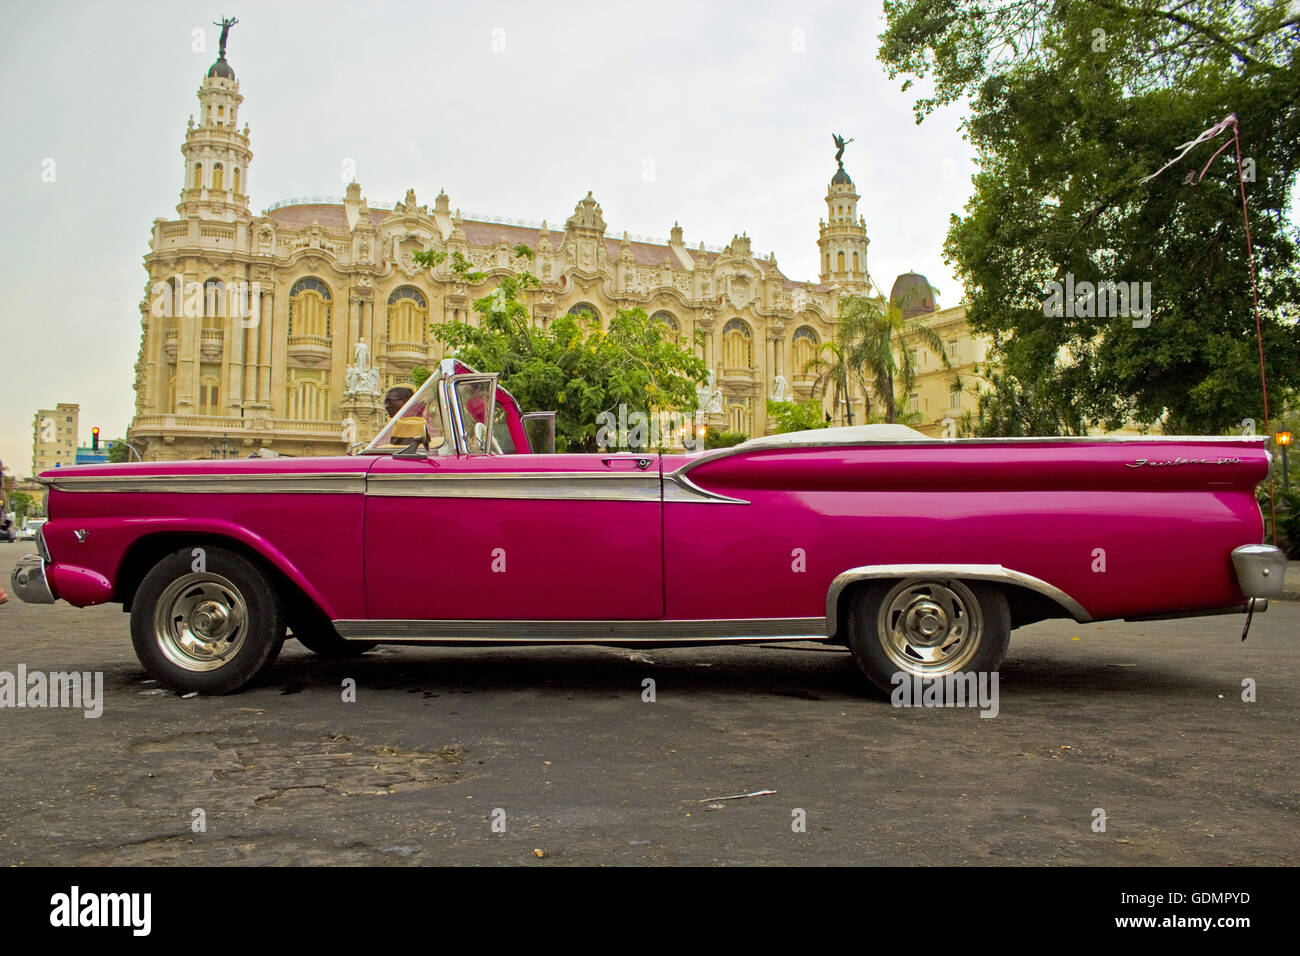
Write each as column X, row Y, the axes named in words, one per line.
column 557, row 745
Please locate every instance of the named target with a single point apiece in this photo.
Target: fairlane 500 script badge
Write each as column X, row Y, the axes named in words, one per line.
column 1183, row 461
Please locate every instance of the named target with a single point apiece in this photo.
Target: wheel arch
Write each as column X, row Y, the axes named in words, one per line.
column 147, row 550
column 1030, row 599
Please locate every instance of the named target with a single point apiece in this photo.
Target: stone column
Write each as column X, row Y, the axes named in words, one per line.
column 264, row 357
column 187, row 360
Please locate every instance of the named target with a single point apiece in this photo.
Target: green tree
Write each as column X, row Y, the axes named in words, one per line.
column 1074, row 102
column 572, row 366
column 118, row 451
column 716, row 439
column 20, row 503
column 795, row 416
column 834, row 371
column 879, row 348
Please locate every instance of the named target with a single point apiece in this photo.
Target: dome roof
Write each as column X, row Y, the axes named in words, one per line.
column 221, row 69
column 841, row 178
column 913, row 294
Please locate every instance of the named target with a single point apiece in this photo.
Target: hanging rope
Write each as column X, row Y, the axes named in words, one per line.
column 1230, row 122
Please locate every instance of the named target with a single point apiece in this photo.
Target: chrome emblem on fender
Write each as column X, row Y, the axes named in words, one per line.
column 1183, row 461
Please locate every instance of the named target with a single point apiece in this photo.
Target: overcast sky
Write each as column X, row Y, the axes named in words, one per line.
column 718, row 115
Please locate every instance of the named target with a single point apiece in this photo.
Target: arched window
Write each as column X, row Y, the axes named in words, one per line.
column 855, row 259
column 738, row 418
column 839, row 262
column 408, row 316
column 209, row 394
column 737, row 345
column 198, row 175
column 585, row 307
column 828, row 262
column 236, row 185
column 308, row 395
column 804, row 344
column 674, row 331
column 216, row 176
column 214, row 303
column 309, row 308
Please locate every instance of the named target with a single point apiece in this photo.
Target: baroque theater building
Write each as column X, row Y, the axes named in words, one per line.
column 282, row 330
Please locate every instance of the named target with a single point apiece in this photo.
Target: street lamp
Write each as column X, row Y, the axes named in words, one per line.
column 224, row 451
column 1283, row 438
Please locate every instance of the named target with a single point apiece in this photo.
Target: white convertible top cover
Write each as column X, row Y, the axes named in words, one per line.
column 846, row 435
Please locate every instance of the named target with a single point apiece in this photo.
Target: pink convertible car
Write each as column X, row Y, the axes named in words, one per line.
column 462, row 527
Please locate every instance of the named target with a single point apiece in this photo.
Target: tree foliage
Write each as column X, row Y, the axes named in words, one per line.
column 795, row 416
column 572, row 366
column 21, row 503
column 1073, row 103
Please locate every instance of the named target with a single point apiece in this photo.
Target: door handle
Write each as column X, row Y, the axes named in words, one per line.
column 641, row 463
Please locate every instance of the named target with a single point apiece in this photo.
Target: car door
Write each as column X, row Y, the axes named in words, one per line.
column 514, row 537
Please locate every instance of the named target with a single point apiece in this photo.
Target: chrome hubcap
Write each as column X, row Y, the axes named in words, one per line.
column 201, row 621
column 930, row 628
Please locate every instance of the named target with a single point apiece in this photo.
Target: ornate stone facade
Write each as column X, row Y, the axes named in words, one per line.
column 282, row 330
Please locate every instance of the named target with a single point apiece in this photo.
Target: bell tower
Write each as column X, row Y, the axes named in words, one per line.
column 844, row 241
column 216, row 152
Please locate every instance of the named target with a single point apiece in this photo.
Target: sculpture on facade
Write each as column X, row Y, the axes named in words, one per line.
column 225, row 25
column 840, row 142
column 360, row 378
column 709, row 395
column 780, row 390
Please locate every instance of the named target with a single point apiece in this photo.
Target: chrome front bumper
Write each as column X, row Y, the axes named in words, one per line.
column 1261, row 569
column 28, row 580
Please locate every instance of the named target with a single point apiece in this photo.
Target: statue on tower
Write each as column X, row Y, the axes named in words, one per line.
column 840, row 142
column 225, row 25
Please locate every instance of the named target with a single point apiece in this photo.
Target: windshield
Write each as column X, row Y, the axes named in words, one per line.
column 419, row 420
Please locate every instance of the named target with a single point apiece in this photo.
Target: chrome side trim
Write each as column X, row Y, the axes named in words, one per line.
column 1260, row 607
column 584, row 632
column 324, row 484
column 678, row 488
column 563, row 486
column 965, row 572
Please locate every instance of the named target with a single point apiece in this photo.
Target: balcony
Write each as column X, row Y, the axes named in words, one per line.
column 234, row 427
column 210, row 343
column 738, row 376
column 310, row 350
column 405, row 355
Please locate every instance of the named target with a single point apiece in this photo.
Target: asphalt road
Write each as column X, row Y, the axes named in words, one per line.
column 558, row 746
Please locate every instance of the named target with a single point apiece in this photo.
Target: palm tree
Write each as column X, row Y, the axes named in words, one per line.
column 878, row 352
column 833, row 369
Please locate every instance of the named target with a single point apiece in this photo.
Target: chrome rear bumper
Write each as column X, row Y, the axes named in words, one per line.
column 1260, row 569
column 28, row 580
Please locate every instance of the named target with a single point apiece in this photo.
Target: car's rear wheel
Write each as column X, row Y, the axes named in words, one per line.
column 208, row 623
column 327, row 643
column 928, row 628
column 316, row 632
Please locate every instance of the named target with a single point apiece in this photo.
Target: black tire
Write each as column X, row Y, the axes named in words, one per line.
column 326, row 642
column 207, row 620
column 315, row 631
column 882, row 650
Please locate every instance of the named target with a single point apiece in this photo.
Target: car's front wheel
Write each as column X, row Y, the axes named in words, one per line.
column 927, row 628
column 206, row 620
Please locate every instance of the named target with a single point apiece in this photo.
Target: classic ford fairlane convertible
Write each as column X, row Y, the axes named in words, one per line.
column 459, row 525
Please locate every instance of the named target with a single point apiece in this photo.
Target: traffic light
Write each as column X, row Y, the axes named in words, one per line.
column 94, row 438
